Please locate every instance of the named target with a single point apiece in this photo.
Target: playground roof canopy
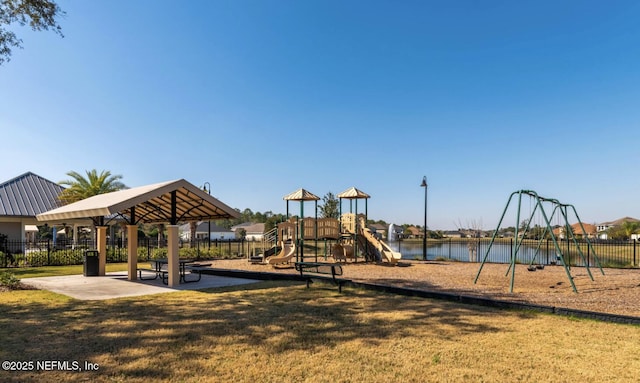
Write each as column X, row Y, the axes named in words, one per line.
column 301, row 195
column 353, row 193
column 151, row 203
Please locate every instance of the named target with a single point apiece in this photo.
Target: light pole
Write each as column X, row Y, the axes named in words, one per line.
column 204, row 186
column 424, row 237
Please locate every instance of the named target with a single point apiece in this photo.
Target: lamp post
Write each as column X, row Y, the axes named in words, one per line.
column 204, row 186
column 424, row 237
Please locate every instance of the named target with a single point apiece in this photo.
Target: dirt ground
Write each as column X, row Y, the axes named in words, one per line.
column 615, row 292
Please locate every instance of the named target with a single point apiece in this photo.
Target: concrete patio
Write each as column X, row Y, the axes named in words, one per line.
column 116, row 285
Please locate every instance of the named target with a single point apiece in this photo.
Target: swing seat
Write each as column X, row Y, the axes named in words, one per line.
column 532, row 268
column 540, row 267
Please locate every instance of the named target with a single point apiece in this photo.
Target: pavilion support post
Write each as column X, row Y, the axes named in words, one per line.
column 132, row 250
column 172, row 256
column 102, row 250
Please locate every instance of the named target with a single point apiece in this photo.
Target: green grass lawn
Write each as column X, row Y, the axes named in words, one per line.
column 283, row 332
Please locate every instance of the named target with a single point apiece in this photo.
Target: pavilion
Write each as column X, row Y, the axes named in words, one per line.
column 167, row 202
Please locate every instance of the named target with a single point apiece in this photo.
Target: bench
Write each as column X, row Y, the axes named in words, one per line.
column 195, row 268
column 161, row 271
column 310, row 270
column 157, row 273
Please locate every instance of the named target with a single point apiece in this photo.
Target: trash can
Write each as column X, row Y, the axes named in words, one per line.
column 91, row 263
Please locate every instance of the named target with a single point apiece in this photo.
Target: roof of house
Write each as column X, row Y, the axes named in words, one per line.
column 413, row 230
column 577, row 230
column 250, row 227
column 620, row 221
column 589, row 228
column 203, row 227
column 378, row 226
column 28, row 195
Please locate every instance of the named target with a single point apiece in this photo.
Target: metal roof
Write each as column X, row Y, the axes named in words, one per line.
column 28, row 195
column 152, row 203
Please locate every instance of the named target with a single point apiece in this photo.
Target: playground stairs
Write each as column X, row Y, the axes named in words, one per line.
column 268, row 243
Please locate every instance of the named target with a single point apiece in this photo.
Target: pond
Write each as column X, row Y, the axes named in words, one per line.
column 474, row 251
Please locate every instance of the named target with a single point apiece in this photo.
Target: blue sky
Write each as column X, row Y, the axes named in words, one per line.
column 261, row 98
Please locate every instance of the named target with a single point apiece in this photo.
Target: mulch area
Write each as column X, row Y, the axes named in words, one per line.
column 615, row 292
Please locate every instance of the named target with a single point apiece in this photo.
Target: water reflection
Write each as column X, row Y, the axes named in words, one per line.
column 472, row 251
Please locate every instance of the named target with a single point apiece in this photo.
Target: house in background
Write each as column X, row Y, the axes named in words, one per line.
column 453, row 234
column 253, row 231
column 413, row 232
column 590, row 231
column 379, row 230
column 395, row 232
column 215, row 232
column 603, row 227
column 21, row 199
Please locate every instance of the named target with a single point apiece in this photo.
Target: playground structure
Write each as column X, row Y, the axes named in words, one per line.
column 286, row 254
column 347, row 237
column 560, row 212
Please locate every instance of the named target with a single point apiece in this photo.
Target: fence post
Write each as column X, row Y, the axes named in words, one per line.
column 547, row 250
column 510, row 248
column 635, row 242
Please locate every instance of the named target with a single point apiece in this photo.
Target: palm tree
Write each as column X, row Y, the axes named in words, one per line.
column 80, row 187
column 630, row 227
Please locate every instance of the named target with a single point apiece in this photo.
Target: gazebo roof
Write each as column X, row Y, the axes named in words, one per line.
column 151, row 203
column 353, row 193
column 301, row 195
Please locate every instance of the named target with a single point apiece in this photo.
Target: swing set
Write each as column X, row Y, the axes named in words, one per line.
column 560, row 212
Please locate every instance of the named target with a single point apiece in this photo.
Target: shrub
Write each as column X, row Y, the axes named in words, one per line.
column 9, row 280
column 159, row 253
column 189, row 252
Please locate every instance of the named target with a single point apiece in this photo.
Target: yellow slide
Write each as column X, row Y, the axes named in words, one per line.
column 385, row 251
column 285, row 255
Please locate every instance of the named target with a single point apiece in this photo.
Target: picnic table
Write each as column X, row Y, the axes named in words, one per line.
column 158, row 268
column 311, row 270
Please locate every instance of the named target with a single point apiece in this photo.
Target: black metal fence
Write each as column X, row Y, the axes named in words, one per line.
column 61, row 252
column 610, row 253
